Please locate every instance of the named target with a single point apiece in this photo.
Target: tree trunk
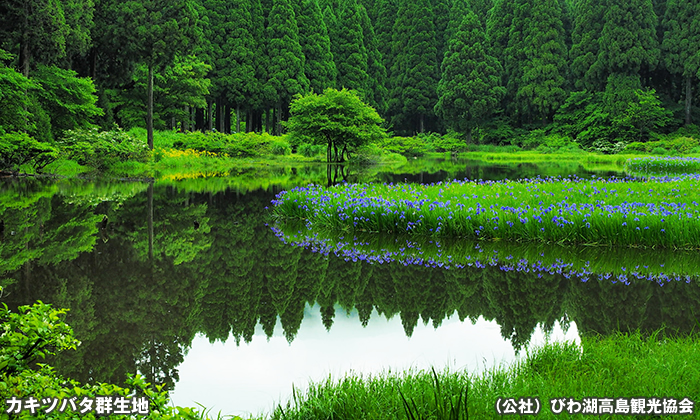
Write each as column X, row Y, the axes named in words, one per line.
column 227, row 119
column 186, row 123
column 343, row 152
column 422, row 123
column 469, row 136
column 278, row 117
column 149, row 110
column 199, row 119
column 150, row 221
column 238, row 118
column 210, row 117
column 688, row 98
column 93, row 64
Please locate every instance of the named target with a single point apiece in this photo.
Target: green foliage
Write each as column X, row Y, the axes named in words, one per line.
column 414, row 71
column 469, row 90
column 541, row 79
column 406, row 146
column 286, row 65
column 16, row 96
column 37, row 331
column 182, row 83
column 316, row 45
column 102, row 149
column 69, row 100
column 17, row 149
column 32, row 334
column 233, row 145
column 338, row 119
column 678, row 145
column 351, row 53
column 586, row 118
column 310, row 150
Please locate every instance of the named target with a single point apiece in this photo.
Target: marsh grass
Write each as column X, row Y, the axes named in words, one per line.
column 617, row 366
column 662, row 212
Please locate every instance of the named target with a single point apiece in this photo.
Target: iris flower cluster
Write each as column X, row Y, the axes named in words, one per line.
column 632, row 212
column 410, row 252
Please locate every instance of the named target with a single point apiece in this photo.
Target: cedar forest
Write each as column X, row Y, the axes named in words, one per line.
column 601, row 72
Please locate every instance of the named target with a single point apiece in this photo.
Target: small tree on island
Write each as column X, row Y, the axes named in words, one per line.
column 338, row 119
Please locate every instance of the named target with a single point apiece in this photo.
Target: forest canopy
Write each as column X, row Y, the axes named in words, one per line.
column 600, row 73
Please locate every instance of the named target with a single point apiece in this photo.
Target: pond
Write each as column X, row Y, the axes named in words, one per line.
column 191, row 283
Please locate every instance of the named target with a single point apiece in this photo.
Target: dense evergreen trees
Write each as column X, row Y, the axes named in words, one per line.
column 260, row 53
column 470, row 88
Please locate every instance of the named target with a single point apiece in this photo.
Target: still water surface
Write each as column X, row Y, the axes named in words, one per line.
column 190, row 283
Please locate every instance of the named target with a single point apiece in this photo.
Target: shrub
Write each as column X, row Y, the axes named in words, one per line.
column 407, row 146
column 659, row 151
column 17, row 149
column 311, row 150
column 102, row 149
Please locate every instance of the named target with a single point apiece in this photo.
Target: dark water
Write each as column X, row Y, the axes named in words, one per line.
column 154, row 273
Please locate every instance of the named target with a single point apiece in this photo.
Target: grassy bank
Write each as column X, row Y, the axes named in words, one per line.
column 659, row 212
column 620, row 366
column 118, row 153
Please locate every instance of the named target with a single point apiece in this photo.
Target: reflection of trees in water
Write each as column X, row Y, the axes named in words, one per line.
column 218, row 269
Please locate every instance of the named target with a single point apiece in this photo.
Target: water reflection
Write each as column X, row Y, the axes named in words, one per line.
column 207, row 263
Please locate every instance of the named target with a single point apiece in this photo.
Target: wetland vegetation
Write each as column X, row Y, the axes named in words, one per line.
column 556, row 137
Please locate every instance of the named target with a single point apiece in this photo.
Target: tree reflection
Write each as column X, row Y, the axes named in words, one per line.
column 209, row 264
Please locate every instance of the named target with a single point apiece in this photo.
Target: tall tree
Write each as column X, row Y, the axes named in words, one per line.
column 414, row 73
column 383, row 29
column 316, row 45
column 155, row 31
column 470, row 88
column 286, row 65
column 681, row 45
column 541, row 82
column 38, row 28
column 375, row 64
column 628, row 47
column 351, row 58
column 586, row 69
column 441, row 11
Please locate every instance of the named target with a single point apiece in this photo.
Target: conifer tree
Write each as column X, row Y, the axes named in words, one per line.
column 628, row 47
column 154, row 33
column 351, row 59
column 375, row 64
column 470, row 88
column 459, row 10
column 414, row 73
column 236, row 63
column 316, row 45
column 681, row 44
column 587, row 69
column 541, row 74
column 441, row 10
column 286, row 65
column 498, row 27
column 383, row 29
column 35, row 30
column 482, row 9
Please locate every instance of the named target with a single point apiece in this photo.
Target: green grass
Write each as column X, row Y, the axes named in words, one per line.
column 619, row 366
column 656, row 213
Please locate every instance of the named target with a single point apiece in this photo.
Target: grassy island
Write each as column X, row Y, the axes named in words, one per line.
column 656, row 212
